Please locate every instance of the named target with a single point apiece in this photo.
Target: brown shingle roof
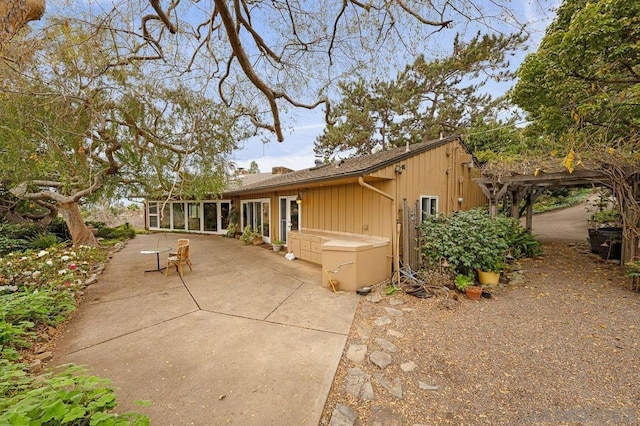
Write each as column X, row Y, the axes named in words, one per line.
column 357, row 166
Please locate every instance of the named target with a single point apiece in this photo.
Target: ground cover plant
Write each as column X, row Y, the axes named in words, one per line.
column 39, row 289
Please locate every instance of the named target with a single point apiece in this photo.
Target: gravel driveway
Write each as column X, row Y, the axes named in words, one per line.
column 559, row 345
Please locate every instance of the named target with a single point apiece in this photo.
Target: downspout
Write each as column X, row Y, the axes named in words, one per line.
column 394, row 230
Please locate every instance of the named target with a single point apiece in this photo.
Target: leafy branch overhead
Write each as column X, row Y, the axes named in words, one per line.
column 263, row 57
column 581, row 89
column 426, row 99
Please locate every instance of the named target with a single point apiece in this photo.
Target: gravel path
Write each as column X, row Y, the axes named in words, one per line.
column 559, row 345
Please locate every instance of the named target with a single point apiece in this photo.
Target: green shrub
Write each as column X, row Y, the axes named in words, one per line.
column 70, row 397
column 96, row 224
column 472, row 240
column 43, row 241
column 16, row 335
column 8, row 245
column 59, row 228
column 19, row 231
column 247, row 235
column 122, row 232
column 47, row 306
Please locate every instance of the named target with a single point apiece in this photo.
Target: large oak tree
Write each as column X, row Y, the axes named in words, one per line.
column 76, row 125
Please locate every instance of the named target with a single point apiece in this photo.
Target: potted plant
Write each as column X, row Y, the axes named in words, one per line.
column 633, row 271
column 605, row 233
column 465, row 283
column 490, row 265
column 605, row 226
column 277, row 245
column 247, row 235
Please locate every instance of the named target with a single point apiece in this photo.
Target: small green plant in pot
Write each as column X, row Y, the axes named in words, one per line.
column 463, row 281
column 465, row 284
column 277, row 245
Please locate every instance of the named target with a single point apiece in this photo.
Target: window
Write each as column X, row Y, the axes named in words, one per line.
column 153, row 214
column 429, row 206
column 255, row 213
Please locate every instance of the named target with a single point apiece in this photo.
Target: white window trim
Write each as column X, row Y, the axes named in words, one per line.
column 429, row 197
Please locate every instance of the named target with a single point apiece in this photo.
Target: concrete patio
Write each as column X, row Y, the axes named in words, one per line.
column 247, row 338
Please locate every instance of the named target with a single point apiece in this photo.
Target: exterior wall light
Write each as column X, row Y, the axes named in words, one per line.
column 298, row 199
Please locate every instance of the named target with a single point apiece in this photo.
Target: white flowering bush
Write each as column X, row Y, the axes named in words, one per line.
column 38, row 288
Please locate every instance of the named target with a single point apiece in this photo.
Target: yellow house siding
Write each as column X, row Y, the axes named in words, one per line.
column 347, row 208
column 438, row 172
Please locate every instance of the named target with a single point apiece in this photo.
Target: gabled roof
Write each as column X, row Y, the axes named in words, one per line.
column 350, row 167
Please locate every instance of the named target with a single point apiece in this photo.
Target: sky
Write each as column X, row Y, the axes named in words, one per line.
column 296, row 151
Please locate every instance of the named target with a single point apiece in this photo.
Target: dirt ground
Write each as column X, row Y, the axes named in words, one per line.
column 559, row 345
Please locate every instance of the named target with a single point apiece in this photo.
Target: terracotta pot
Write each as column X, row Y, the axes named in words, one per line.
column 488, row 278
column 334, row 285
column 473, row 292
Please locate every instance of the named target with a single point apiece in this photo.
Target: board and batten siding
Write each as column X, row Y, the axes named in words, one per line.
column 442, row 172
column 347, row 208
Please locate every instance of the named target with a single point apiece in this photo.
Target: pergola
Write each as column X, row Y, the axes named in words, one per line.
column 518, row 187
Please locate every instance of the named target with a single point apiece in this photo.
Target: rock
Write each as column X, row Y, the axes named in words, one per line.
column 358, row 384
column 364, row 331
column 381, row 359
column 44, row 356
column 356, row 353
column 35, row 366
column 43, row 337
column 396, row 301
column 374, row 298
column 119, row 246
column 394, row 388
column 449, row 304
column 383, row 416
column 386, row 345
column 408, row 310
column 394, row 333
column 366, row 393
column 408, row 366
column 382, row 321
column 91, row 280
column 425, row 386
column 393, row 312
column 516, row 278
column 343, row 416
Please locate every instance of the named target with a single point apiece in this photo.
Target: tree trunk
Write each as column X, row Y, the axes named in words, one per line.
column 81, row 235
column 15, row 14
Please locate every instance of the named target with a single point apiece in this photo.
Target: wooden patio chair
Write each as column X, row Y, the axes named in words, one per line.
column 181, row 242
column 181, row 258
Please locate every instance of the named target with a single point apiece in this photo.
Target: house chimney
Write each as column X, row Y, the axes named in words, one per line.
column 280, row 170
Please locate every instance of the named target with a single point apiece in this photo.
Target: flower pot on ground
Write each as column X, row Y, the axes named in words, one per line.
column 488, row 277
column 610, row 243
column 277, row 245
column 473, row 292
column 257, row 240
column 593, row 240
